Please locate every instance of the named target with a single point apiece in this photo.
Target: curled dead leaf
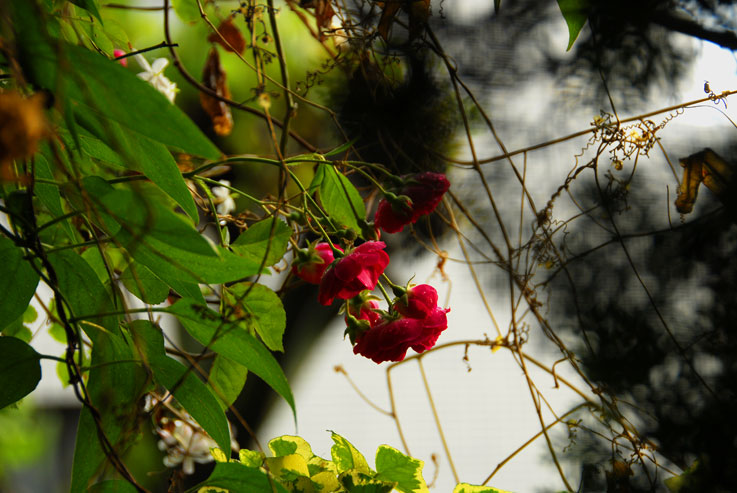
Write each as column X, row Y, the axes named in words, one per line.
column 323, row 13
column 22, row 126
column 704, row 166
column 232, row 39
column 213, row 77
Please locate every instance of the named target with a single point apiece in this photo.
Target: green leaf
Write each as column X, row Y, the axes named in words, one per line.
column 20, row 370
column 346, row 457
column 181, row 381
column 139, row 214
column 97, row 39
column 238, row 477
column 49, row 194
column 232, row 342
column 137, row 152
column 341, row 148
column 227, row 379
column 263, row 309
column 84, row 292
column 255, row 241
column 575, row 13
column 187, row 10
column 95, row 83
column 468, row 488
column 18, row 282
column 116, row 382
column 18, row 330
column 394, row 466
column 144, row 284
column 112, row 486
column 89, row 5
column 339, row 197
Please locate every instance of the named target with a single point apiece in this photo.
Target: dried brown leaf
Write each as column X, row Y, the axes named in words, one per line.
column 213, row 77
column 232, row 38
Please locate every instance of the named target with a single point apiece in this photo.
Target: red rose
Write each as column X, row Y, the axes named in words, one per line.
column 425, row 191
column 356, row 272
column 311, row 264
column 419, row 301
column 389, row 340
column 435, row 323
column 417, row 324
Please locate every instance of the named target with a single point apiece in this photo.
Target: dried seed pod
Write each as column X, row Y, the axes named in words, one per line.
column 213, row 77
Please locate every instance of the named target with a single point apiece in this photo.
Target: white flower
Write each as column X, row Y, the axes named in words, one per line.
column 184, row 445
column 154, row 75
column 223, row 199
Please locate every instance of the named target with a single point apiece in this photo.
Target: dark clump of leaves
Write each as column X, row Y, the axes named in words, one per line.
column 680, row 372
column 399, row 112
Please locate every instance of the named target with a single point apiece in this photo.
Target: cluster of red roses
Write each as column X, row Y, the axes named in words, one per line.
column 414, row 320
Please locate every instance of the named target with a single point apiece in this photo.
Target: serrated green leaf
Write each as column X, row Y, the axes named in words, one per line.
column 346, row 457
column 144, row 284
column 237, row 477
column 287, row 444
column 227, row 379
column 287, row 467
column 20, row 370
column 318, row 465
column 357, row 482
column 255, row 241
column 339, row 197
column 208, row 328
column 250, row 458
column 468, row 488
column 186, row 10
column 18, row 281
column 182, row 382
column 258, row 307
column 575, row 13
column 393, row 465
column 219, row 455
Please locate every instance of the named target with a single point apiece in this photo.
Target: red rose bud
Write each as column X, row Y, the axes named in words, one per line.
column 355, row 272
column 424, row 191
column 363, row 309
column 118, row 53
column 312, row 263
column 418, row 302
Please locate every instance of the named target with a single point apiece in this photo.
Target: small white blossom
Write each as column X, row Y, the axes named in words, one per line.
column 223, row 200
column 185, row 445
column 154, row 75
